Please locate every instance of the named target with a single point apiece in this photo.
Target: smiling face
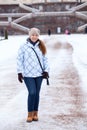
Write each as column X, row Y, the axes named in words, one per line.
column 34, row 37
column 34, row 34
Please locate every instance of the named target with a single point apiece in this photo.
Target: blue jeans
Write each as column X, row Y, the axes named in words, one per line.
column 33, row 86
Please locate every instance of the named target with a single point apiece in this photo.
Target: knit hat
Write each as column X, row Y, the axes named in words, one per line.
column 34, row 31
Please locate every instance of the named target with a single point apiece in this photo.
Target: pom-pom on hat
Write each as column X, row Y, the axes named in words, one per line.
column 34, row 31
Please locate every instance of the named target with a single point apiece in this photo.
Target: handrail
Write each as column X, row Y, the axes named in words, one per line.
column 81, row 28
column 78, row 7
column 30, row 9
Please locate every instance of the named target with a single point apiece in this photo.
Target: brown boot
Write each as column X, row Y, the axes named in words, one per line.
column 35, row 116
column 30, row 117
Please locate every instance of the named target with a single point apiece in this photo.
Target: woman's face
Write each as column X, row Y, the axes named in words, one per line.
column 34, row 37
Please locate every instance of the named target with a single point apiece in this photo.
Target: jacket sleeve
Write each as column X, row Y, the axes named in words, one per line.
column 46, row 63
column 20, row 59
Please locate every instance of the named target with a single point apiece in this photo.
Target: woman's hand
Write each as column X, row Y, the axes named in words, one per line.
column 20, row 77
column 45, row 75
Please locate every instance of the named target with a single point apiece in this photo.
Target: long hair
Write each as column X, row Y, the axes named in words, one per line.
column 42, row 47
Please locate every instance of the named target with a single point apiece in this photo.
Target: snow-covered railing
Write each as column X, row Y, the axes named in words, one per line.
column 81, row 15
column 81, row 28
column 20, row 27
column 78, row 7
column 28, row 8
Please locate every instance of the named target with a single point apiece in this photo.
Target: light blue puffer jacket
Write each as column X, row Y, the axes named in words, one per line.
column 27, row 62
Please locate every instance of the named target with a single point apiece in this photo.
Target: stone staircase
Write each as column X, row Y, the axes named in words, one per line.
column 33, row 12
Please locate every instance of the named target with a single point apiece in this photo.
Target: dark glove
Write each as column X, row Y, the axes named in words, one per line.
column 45, row 75
column 20, row 77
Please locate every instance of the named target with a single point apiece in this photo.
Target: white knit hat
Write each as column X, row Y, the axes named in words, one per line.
column 34, row 31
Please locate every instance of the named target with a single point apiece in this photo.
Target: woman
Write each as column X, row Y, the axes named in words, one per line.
column 29, row 70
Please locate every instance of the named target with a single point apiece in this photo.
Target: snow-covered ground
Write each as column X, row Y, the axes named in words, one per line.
column 63, row 104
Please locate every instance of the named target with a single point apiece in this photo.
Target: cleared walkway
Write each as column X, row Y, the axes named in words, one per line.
column 61, row 104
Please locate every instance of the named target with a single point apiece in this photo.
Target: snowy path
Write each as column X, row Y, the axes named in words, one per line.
column 61, row 105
